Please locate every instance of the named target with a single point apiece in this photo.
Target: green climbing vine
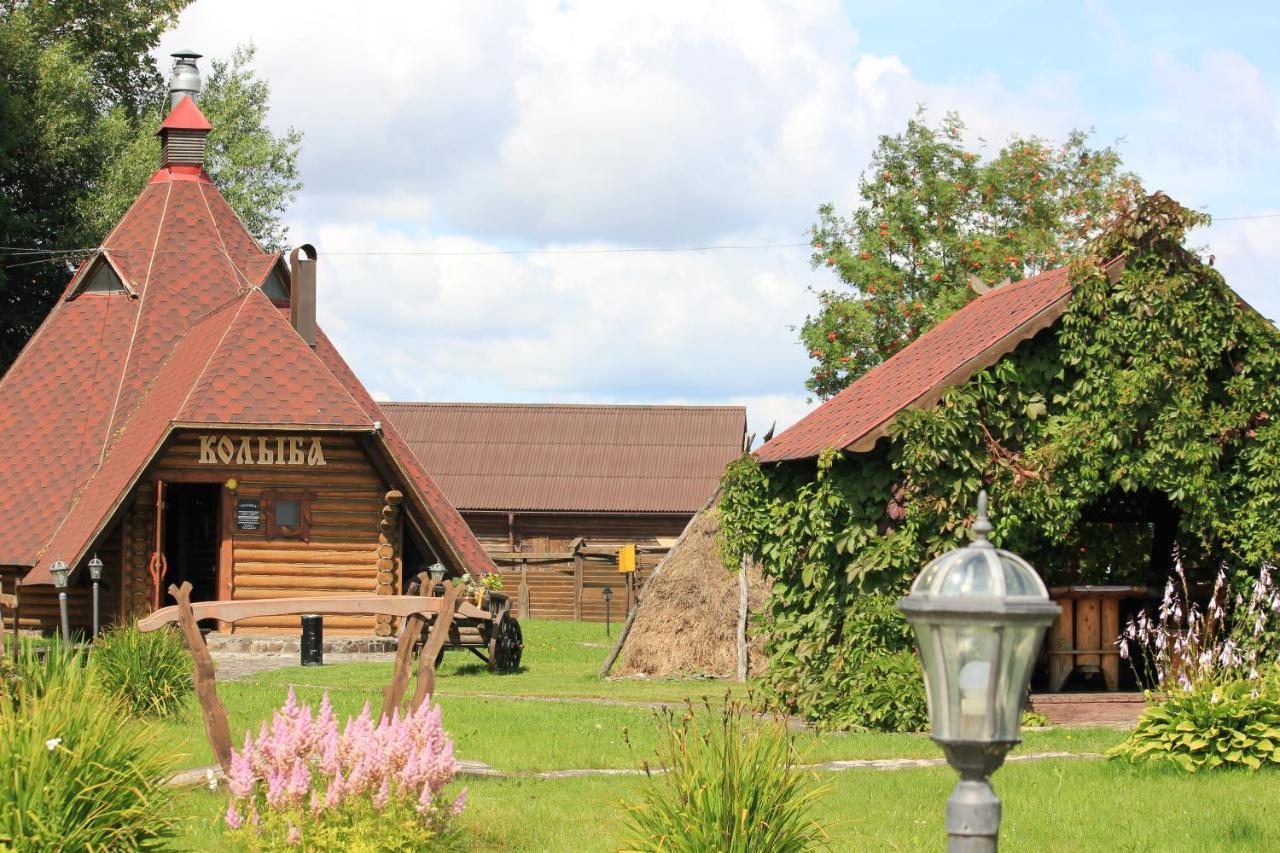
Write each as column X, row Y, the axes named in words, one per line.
column 1158, row 380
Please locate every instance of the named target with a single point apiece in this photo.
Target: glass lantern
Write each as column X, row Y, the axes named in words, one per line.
column 979, row 614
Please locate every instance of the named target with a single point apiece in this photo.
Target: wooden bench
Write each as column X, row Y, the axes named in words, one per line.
column 416, row 610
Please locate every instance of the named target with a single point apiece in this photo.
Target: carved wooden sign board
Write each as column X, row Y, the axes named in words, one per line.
column 298, row 450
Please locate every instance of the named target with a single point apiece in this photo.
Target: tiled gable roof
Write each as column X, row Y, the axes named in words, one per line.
column 972, row 338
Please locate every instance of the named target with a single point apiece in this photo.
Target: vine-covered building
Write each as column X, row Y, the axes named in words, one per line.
column 180, row 416
column 1120, row 410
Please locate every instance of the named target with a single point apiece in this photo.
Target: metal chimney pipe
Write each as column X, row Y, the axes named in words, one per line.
column 302, row 292
column 186, row 77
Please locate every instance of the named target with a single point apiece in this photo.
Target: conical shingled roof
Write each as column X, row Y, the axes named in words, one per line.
column 98, row 389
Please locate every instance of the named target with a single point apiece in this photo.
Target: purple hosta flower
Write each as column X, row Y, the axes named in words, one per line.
column 1124, row 648
column 233, row 817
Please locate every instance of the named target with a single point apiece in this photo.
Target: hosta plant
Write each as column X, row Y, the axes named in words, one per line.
column 1236, row 724
column 150, row 672
column 730, row 785
column 368, row 787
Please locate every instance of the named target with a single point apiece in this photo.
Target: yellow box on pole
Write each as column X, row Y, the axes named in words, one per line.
column 627, row 558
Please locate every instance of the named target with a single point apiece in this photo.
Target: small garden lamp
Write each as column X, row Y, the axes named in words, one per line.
column 607, row 592
column 436, row 570
column 979, row 614
column 95, row 573
column 59, row 570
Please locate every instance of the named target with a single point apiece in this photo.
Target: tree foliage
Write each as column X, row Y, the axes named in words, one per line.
column 1162, row 382
column 932, row 215
column 80, row 97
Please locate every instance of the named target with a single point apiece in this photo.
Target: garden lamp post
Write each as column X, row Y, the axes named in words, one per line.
column 979, row 614
column 436, row 570
column 59, row 570
column 607, row 592
column 95, row 573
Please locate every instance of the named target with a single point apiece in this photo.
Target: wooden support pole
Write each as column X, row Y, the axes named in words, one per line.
column 577, row 579
column 439, row 634
column 394, row 691
column 215, row 713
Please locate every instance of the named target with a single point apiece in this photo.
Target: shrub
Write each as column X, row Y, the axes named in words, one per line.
column 871, row 676
column 730, row 785
column 74, row 775
column 375, row 788
column 150, row 672
column 1237, row 724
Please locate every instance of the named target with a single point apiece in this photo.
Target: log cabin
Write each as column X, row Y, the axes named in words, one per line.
column 180, row 416
column 553, row 491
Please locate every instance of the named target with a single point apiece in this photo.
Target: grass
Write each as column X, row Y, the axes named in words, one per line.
column 1049, row 805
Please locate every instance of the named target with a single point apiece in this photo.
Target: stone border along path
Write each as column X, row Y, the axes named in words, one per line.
column 200, row 775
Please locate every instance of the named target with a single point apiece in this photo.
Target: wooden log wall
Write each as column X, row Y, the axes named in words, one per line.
column 341, row 551
column 567, row 588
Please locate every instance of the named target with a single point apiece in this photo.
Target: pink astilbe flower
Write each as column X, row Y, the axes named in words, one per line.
column 301, row 767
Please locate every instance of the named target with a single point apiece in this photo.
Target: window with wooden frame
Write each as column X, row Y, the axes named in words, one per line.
column 288, row 514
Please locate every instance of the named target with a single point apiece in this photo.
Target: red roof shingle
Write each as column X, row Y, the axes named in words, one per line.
column 974, row 337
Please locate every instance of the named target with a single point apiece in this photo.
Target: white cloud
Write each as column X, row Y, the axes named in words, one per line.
column 485, row 126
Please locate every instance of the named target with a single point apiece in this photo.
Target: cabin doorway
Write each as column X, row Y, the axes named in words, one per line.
column 192, row 540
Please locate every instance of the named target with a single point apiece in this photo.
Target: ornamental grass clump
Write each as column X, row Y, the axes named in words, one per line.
column 150, row 672
column 727, row 782
column 369, row 787
column 75, row 774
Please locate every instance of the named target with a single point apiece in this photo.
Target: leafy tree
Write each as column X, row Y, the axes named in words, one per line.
column 80, row 97
column 255, row 170
column 933, row 215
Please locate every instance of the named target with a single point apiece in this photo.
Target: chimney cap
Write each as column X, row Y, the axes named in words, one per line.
column 186, row 54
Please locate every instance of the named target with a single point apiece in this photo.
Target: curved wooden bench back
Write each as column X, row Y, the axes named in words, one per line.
column 401, row 606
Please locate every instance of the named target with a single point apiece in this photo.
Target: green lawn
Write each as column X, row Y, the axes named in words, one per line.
column 1049, row 805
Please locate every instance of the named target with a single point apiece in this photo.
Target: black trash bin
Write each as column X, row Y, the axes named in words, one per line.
column 312, row 640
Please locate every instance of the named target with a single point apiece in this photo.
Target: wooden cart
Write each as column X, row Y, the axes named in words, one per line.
column 490, row 632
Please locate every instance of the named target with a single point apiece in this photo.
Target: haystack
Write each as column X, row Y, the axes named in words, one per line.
column 687, row 620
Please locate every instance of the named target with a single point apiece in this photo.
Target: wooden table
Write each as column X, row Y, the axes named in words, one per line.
column 1084, row 635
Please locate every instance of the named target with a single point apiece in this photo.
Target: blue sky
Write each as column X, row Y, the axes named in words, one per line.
column 467, row 128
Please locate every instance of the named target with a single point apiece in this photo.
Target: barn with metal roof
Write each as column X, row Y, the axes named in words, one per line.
column 553, row 491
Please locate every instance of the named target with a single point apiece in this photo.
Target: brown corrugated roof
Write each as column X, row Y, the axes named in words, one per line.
column 572, row 458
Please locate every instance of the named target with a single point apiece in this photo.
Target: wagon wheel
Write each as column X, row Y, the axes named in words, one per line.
column 509, row 646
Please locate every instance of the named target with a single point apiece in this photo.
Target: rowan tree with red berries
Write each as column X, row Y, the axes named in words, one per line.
column 933, row 214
